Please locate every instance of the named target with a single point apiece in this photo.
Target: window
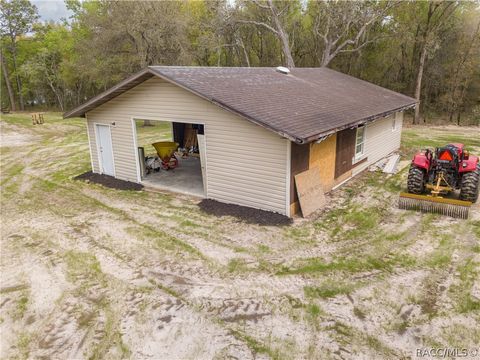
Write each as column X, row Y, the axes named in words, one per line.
column 360, row 142
column 394, row 124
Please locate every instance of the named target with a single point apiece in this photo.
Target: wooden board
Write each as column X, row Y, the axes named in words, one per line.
column 391, row 165
column 323, row 155
column 310, row 191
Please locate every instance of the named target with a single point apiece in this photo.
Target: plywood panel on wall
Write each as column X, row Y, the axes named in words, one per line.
column 322, row 155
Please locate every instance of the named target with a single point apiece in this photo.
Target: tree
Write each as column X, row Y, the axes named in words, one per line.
column 8, row 83
column 62, row 65
column 437, row 14
column 464, row 66
column 342, row 26
column 277, row 26
column 16, row 19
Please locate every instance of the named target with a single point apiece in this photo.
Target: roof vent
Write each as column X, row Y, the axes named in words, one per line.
column 283, row 70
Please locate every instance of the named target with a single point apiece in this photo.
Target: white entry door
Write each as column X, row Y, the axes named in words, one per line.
column 105, row 150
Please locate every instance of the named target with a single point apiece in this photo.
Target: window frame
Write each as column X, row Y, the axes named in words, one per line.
column 394, row 124
column 358, row 156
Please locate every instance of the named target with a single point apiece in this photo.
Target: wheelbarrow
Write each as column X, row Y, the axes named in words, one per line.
column 166, row 153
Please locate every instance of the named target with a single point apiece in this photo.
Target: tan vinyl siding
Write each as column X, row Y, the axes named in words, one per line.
column 380, row 140
column 246, row 164
column 93, row 147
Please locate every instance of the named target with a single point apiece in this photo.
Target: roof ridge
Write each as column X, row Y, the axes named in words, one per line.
column 301, row 106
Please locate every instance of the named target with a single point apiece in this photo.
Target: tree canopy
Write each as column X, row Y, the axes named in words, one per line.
column 429, row 50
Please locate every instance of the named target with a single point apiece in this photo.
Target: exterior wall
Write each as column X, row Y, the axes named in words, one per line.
column 323, row 155
column 380, row 140
column 246, row 164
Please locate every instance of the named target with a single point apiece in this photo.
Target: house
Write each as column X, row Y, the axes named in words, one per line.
column 259, row 127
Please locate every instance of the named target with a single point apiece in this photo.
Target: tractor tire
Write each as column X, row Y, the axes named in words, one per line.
column 470, row 186
column 416, row 180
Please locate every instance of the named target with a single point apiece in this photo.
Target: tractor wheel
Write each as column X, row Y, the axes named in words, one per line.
column 415, row 182
column 470, row 186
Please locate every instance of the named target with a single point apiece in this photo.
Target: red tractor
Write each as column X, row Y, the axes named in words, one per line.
column 447, row 169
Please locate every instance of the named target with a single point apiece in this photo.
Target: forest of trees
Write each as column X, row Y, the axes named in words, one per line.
column 426, row 49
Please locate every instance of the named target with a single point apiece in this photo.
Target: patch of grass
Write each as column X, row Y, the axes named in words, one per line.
column 263, row 248
column 362, row 219
column 468, row 304
column 414, row 140
column 350, row 265
column 257, row 346
column 328, row 289
column 294, row 302
column 314, row 311
column 460, row 335
column 237, row 265
column 342, row 329
column 10, row 289
column 22, row 305
column 359, row 313
column 427, row 299
column 189, row 223
column 112, row 338
column 86, row 319
column 476, row 228
column 299, row 233
column 468, row 275
column 82, row 265
column 162, row 239
column 10, row 180
column 23, row 344
column 442, row 255
column 374, row 343
column 330, row 222
column 351, row 222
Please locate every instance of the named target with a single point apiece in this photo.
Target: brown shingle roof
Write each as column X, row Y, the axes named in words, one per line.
column 304, row 105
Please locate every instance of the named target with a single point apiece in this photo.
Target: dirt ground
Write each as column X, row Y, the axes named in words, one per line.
column 98, row 273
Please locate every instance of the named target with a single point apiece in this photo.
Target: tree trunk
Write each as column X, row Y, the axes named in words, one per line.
column 19, row 81
column 418, row 83
column 11, row 96
column 57, row 96
column 283, row 36
column 147, row 123
column 326, row 56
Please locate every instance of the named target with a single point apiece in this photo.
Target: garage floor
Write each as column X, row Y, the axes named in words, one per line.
column 185, row 179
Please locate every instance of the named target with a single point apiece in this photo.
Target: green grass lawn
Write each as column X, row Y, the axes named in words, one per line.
column 155, row 132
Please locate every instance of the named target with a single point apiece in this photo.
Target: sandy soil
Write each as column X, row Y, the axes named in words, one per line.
column 91, row 272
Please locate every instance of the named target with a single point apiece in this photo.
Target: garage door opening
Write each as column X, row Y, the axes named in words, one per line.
column 171, row 156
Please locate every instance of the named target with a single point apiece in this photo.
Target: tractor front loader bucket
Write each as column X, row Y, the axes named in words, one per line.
column 434, row 204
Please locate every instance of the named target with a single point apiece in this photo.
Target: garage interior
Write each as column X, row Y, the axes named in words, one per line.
column 184, row 174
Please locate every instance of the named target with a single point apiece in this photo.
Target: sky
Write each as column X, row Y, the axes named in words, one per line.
column 51, row 10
